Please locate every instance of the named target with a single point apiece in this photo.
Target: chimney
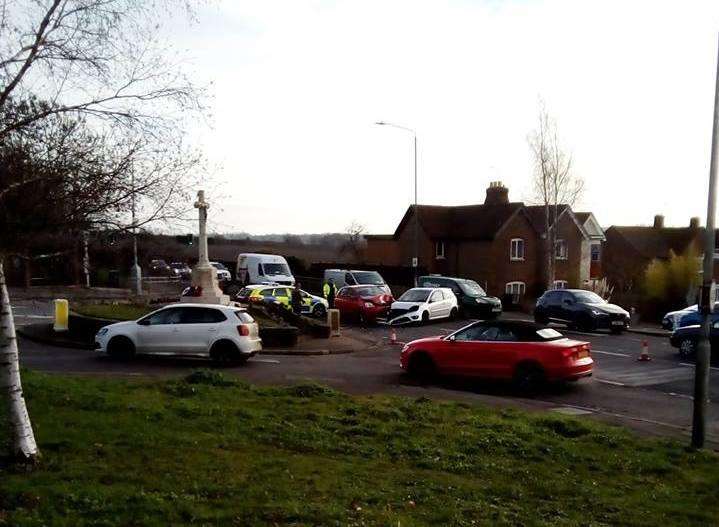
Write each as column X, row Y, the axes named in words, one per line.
column 658, row 221
column 497, row 194
column 694, row 223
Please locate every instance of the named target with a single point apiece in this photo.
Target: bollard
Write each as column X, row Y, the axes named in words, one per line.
column 392, row 336
column 333, row 320
column 644, row 354
column 62, row 314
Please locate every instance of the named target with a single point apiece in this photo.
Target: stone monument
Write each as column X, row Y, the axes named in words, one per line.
column 204, row 276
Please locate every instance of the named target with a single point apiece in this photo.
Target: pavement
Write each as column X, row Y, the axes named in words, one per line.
column 654, row 398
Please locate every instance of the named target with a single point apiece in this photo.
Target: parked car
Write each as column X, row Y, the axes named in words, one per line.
column 263, row 268
column 312, row 305
column 527, row 353
column 580, row 309
column 223, row 333
column 159, row 267
column 345, row 277
column 181, row 270
column 223, row 273
column 688, row 317
column 471, row 298
column 685, row 338
column 421, row 304
column 364, row 303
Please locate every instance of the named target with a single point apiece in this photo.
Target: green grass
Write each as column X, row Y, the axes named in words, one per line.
column 209, row 450
column 113, row 311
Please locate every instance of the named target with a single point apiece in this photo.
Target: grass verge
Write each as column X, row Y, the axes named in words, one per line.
column 114, row 311
column 209, row 450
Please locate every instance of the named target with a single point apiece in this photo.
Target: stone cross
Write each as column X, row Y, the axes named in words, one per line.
column 201, row 205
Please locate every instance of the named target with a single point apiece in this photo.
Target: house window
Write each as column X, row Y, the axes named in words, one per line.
column 596, row 252
column 560, row 249
column 439, row 250
column 515, row 288
column 516, row 249
column 560, row 284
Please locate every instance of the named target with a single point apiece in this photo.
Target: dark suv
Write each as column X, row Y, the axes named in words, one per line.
column 580, row 309
column 471, row 298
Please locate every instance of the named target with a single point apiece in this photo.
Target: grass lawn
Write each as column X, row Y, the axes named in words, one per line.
column 209, row 451
column 113, row 311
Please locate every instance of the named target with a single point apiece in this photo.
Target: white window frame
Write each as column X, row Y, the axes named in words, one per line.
column 514, row 255
column 561, row 255
column 599, row 252
column 561, row 284
column 520, row 286
column 439, row 255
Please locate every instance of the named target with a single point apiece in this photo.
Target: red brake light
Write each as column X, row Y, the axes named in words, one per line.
column 243, row 330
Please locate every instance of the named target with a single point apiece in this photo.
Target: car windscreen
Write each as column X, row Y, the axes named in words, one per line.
column 273, row 269
column 588, row 297
column 415, row 295
column 471, row 288
column 368, row 278
column 218, row 265
column 369, row 291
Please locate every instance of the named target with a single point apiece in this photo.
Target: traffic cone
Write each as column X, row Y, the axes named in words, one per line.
column 644, row 355
column 392, row 336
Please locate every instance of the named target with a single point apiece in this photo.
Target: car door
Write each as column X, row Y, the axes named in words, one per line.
column 566, row 307
column 466, row 350
column 282, row 295
column 436, row 307
column 158, row 333
column 551, row 304
column 198, row 328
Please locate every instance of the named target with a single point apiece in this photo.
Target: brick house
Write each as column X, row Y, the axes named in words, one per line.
column 628, row 250
column 497, row 243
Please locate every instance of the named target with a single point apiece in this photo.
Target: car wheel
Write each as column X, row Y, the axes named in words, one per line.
column 421, row 367
column 453, row 314
column 425, row 317
column 319, row 311
column 586, row 323
column 120, row 348
column 687, row 348
column 529, row 378
column 224, row 352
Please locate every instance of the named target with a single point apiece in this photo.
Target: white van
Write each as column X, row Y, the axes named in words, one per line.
column 263, row 269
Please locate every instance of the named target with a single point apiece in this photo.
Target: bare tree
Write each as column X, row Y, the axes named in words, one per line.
column 555, row 184
column 101, row 63
column 354, row 244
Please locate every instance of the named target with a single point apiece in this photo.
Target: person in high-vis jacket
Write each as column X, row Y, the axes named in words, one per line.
column 330, row 291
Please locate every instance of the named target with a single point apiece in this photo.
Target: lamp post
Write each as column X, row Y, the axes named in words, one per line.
column 415, row 259
column 706, row 303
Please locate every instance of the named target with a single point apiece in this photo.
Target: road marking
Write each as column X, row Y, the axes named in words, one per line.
column 268, row 361
column 570, row 410
column 613, row 383
column 609, row 353
column 692, row 365
column 682, row 395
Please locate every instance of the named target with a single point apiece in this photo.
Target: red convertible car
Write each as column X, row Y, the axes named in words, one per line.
column 363, row 303
column 525, row 352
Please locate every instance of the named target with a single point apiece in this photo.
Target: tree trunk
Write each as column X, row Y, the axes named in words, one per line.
column 22, row 437
column 548, row 253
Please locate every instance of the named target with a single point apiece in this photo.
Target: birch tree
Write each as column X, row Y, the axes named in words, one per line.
column 102, row 63
column 555, row 183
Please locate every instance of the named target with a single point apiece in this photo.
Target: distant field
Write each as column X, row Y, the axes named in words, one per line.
column 208, row 450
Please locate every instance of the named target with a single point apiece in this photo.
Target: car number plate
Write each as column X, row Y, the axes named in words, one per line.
column 617, row 323
column 582, row 354
column 496, row 309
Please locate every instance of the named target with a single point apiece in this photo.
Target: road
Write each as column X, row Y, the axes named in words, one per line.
column 654, row 397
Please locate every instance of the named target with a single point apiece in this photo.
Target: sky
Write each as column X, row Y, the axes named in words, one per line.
column 296, row 87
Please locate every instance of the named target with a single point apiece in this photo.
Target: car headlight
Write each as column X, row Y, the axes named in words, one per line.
column 413, row 308
column 405, row 348
column 479, row 300
column 102, row 332
column 596, row 312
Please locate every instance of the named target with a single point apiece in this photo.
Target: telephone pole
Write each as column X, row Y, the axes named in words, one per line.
column 706, row 302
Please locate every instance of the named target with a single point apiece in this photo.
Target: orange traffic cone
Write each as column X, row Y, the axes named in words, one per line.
column 644, row 355
column 392, row 336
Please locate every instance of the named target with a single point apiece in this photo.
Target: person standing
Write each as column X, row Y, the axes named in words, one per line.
column 296, row 299
column 330, row 291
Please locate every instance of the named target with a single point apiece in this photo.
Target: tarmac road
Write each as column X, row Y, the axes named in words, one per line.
column 654, row 397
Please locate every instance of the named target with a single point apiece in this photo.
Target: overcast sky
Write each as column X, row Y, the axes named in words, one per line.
column 297, row 86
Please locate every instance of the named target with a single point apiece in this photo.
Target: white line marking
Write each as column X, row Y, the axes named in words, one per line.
column 692, row 365
column 683, row 396
column 268, row 361
column 613, row 383
column 609, row 353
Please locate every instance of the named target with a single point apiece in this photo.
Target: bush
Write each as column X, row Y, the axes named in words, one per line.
column 670, row 284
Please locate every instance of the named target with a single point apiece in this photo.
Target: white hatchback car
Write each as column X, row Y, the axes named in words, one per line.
column 223, row 333
column 421, row 304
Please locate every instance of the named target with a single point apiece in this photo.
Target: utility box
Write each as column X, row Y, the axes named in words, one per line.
column 62, row 314
column 333, row 321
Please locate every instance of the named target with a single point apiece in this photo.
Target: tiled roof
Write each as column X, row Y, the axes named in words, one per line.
column 653, row 242
column 537, row 215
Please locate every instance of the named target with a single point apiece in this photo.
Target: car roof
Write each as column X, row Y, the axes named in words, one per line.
column 524, row 327
column 197, row 304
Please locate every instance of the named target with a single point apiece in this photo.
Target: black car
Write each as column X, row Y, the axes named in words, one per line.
column 580, row 309
column 471, row 298
column 685, row 338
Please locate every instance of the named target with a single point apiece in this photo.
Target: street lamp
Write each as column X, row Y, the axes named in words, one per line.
column 415, row 259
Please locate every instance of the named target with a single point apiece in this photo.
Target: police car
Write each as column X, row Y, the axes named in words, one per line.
column 312, row 305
